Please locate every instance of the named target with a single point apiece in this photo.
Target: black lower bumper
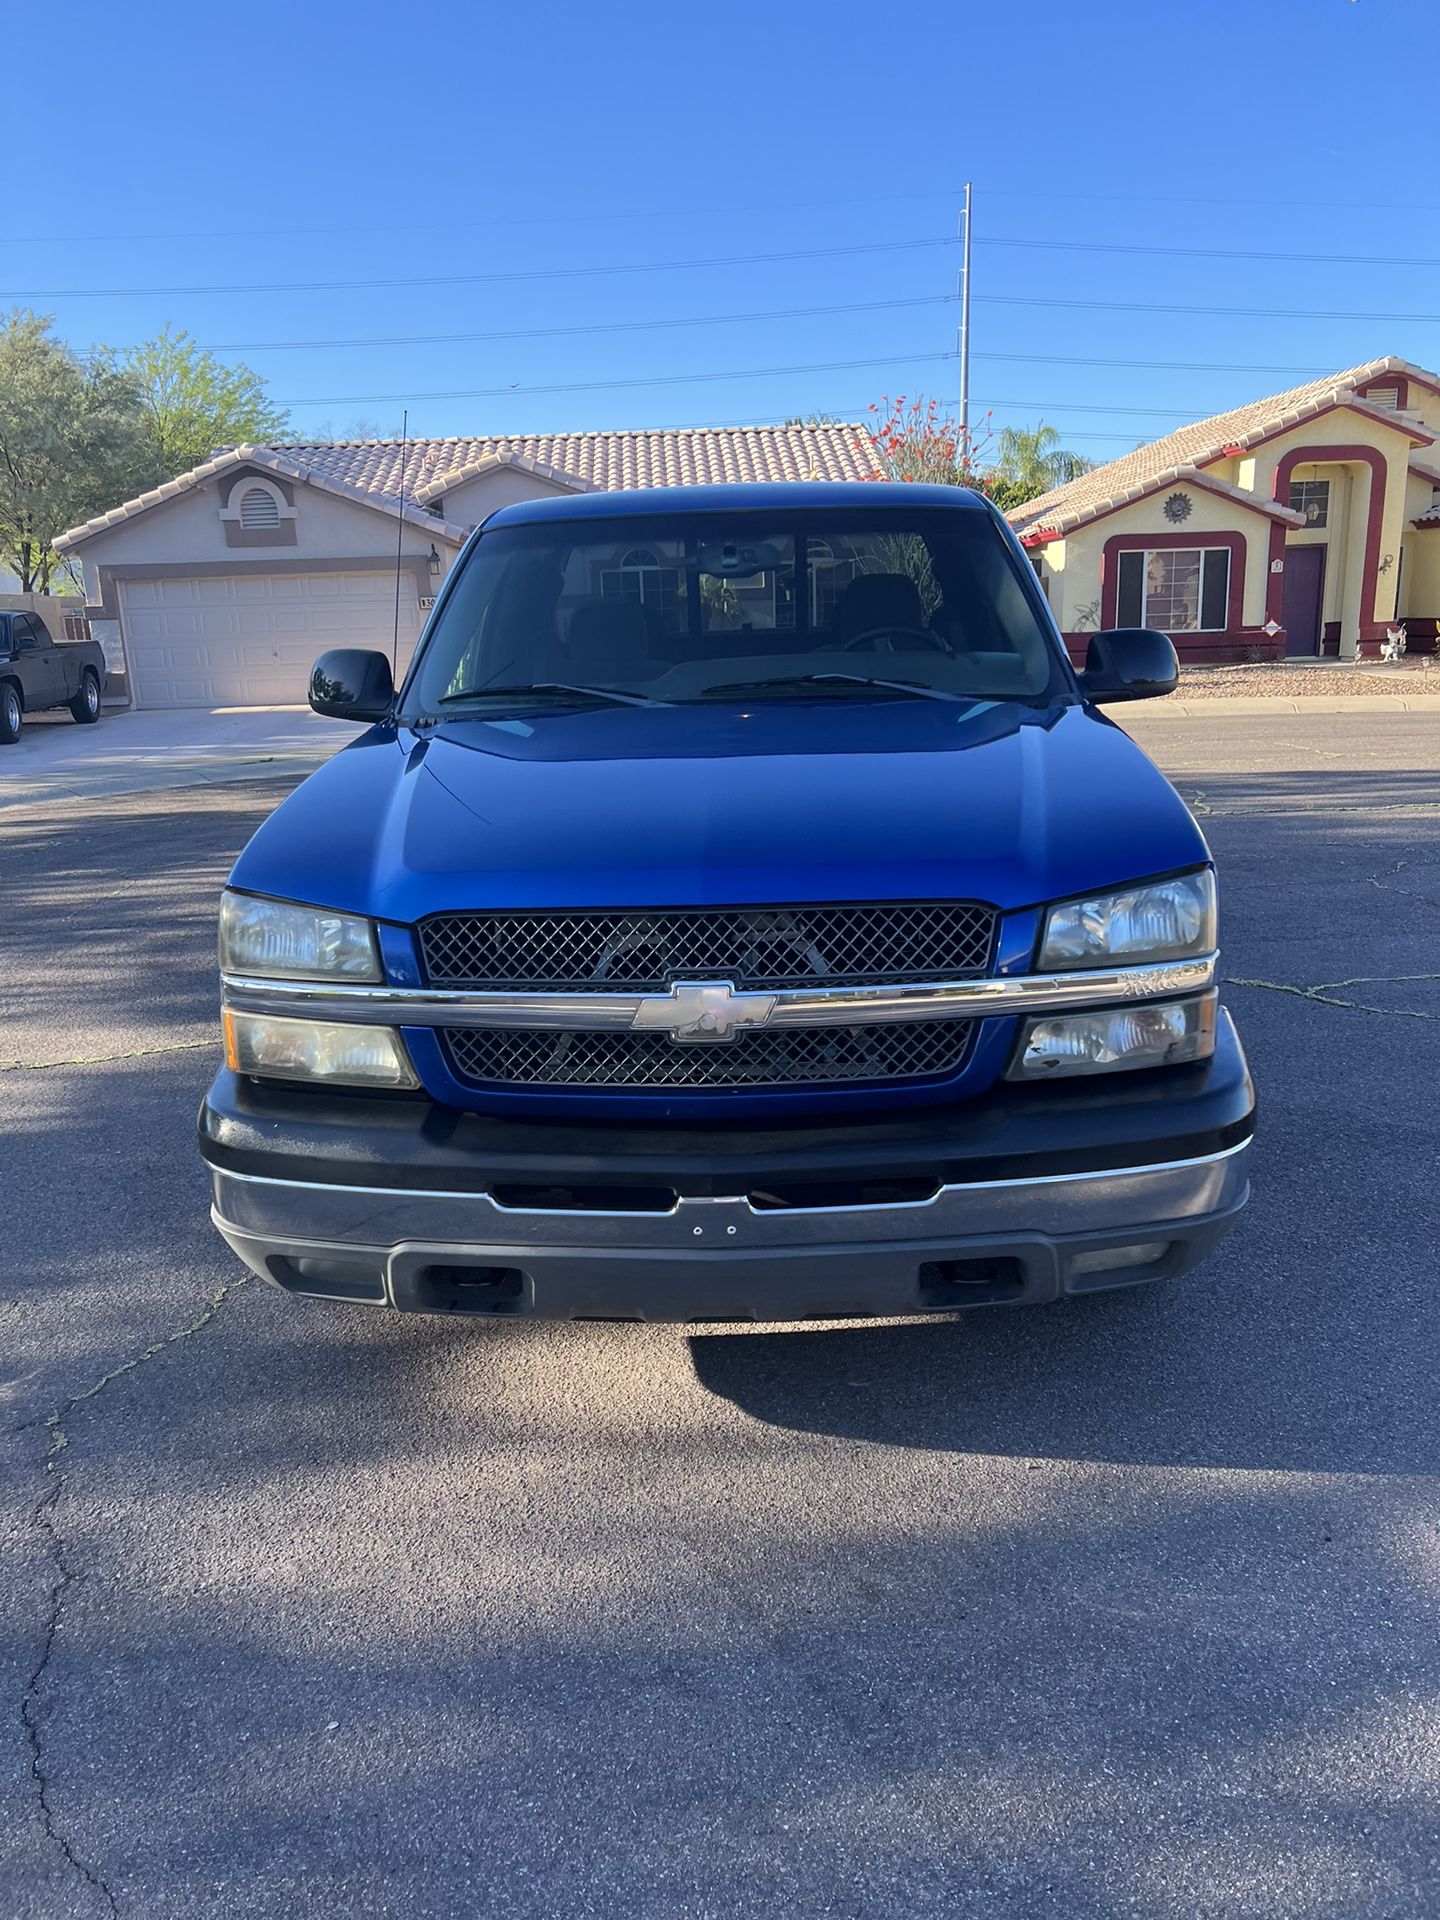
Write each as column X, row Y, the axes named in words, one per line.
column 1027, row 1194
column 1013, row 1132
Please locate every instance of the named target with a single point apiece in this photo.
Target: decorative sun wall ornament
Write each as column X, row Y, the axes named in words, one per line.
column 1177, row 507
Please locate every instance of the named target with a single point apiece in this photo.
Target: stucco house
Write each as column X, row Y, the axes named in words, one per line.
column 219, row 588
column 1306, row 523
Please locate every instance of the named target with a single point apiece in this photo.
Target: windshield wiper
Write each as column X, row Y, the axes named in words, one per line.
column 918, row 687
column 520, row 688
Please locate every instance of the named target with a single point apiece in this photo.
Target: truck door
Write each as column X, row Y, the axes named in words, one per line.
column 33, row 659
column 54, row 659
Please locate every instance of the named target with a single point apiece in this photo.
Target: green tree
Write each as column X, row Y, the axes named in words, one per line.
column 71, row 443
column 191, row 403
column 1033, row 459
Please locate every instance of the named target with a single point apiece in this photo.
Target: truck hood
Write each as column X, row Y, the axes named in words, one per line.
column 787, row 801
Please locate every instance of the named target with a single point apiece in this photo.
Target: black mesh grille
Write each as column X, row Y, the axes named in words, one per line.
column 751, row 947
column 779, row 1057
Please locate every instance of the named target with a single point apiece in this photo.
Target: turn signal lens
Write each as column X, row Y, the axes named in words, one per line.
column 341, row 1056
column 1116, row 1040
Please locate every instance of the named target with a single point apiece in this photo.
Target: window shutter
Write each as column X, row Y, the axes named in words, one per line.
column 258, row 508
column 1383, row 397
column 1130, row 590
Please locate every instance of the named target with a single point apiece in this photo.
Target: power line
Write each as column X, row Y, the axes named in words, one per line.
column 735, row 260
column 650, row 214
column 1214, row 253
column 1239, row 313
column 484, row 279
column 518, row 391
column 843, row 413
column 604, row 326
column 605, row 386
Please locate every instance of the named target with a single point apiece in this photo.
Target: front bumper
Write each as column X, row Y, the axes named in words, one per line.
column 1029, row 1194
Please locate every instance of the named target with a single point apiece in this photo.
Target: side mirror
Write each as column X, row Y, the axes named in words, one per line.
column 352, row 683
column 1129, row 663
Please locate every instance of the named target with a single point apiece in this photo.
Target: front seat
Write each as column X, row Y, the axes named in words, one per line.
column 608, row 640
column 887, row 601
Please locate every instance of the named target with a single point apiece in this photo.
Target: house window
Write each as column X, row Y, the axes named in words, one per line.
column 640, row 576
column 259, row 508
column 1174, row 589
column 1312, row 498
column 1042, row 572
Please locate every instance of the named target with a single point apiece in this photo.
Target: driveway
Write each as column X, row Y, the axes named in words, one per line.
column 1126, row 1607
column 145, row 752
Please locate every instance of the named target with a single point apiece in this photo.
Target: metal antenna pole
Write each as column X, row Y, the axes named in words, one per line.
column 965, row 335
column 399, row 547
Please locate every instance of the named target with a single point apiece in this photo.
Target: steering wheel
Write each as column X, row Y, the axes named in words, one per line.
column 882, row 640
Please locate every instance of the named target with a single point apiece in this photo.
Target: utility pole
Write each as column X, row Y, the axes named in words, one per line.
column 965, row 333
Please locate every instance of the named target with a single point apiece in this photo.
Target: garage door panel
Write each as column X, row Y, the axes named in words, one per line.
column 250, row 640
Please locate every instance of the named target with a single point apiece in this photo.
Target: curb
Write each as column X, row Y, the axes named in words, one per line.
column 1175, row 708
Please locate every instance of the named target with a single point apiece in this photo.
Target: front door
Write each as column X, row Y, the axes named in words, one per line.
column 33, row 664
column 1303, row 599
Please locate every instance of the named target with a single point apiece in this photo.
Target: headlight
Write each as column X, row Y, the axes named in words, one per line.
column 275, row 1048
column 278, row 941
column 1167, row 920
column 1166, row 1034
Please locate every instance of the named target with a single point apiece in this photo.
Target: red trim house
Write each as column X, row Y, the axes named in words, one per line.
column 1304, row 524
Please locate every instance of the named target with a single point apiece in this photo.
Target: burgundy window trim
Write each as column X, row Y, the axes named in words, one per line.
column 1119, row 543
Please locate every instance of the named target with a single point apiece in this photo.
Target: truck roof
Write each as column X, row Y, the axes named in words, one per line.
column 741, row 497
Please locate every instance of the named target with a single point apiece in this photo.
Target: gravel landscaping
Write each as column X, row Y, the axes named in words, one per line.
column 1298, row 680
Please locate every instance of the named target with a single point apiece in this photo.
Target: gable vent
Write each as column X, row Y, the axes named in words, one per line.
column 258, row 508
column 1388, row 397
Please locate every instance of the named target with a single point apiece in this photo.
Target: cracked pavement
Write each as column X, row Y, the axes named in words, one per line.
column 1125, row 1607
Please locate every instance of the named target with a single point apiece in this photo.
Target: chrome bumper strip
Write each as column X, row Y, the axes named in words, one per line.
column 791, row 1007
column 1055, row 1204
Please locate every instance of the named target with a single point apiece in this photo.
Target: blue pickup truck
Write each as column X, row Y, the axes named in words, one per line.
column 741, row 911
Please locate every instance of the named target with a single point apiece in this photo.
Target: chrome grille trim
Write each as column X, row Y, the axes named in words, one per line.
column 801, row 1007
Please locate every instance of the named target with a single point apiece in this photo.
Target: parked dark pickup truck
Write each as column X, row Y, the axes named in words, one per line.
column 35, row 674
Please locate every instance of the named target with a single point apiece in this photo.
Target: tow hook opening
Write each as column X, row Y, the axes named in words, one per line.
column 462, row 1289
column 970, row 1283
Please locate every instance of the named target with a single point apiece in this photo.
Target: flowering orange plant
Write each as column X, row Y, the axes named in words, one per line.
column 915, row 439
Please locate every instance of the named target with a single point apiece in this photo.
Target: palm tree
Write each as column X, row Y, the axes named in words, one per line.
column 1033, row 458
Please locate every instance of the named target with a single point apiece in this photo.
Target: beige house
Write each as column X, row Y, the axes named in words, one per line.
column 1307, row 523
column 219, row 588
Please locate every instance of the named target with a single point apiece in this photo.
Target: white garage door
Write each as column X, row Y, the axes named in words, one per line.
column 250, row 640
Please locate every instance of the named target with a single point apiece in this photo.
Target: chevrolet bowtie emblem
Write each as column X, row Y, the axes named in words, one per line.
column 702, row 1010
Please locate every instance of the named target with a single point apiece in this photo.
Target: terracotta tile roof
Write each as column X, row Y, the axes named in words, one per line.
column 268, row 460
column 657, row 457
column 1178, row 454
column 369, row 470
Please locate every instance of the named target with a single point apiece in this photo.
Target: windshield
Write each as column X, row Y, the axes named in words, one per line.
column 915, row 604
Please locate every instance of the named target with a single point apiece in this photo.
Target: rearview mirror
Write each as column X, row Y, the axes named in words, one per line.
column 1129, row 663
column 352, row 683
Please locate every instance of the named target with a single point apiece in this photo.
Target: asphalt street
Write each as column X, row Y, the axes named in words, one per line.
column 1122, row 1607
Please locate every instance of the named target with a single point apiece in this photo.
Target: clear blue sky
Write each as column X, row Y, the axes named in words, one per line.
column 270, row 144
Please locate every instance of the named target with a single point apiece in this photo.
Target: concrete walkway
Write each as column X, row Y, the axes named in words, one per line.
column 135, row 752
column 1177, row 707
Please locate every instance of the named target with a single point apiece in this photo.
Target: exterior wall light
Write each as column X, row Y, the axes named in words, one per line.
column 434, row 562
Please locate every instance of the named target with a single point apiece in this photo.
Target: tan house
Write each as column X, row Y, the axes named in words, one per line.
column 1308, row 523
column 219, row 588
